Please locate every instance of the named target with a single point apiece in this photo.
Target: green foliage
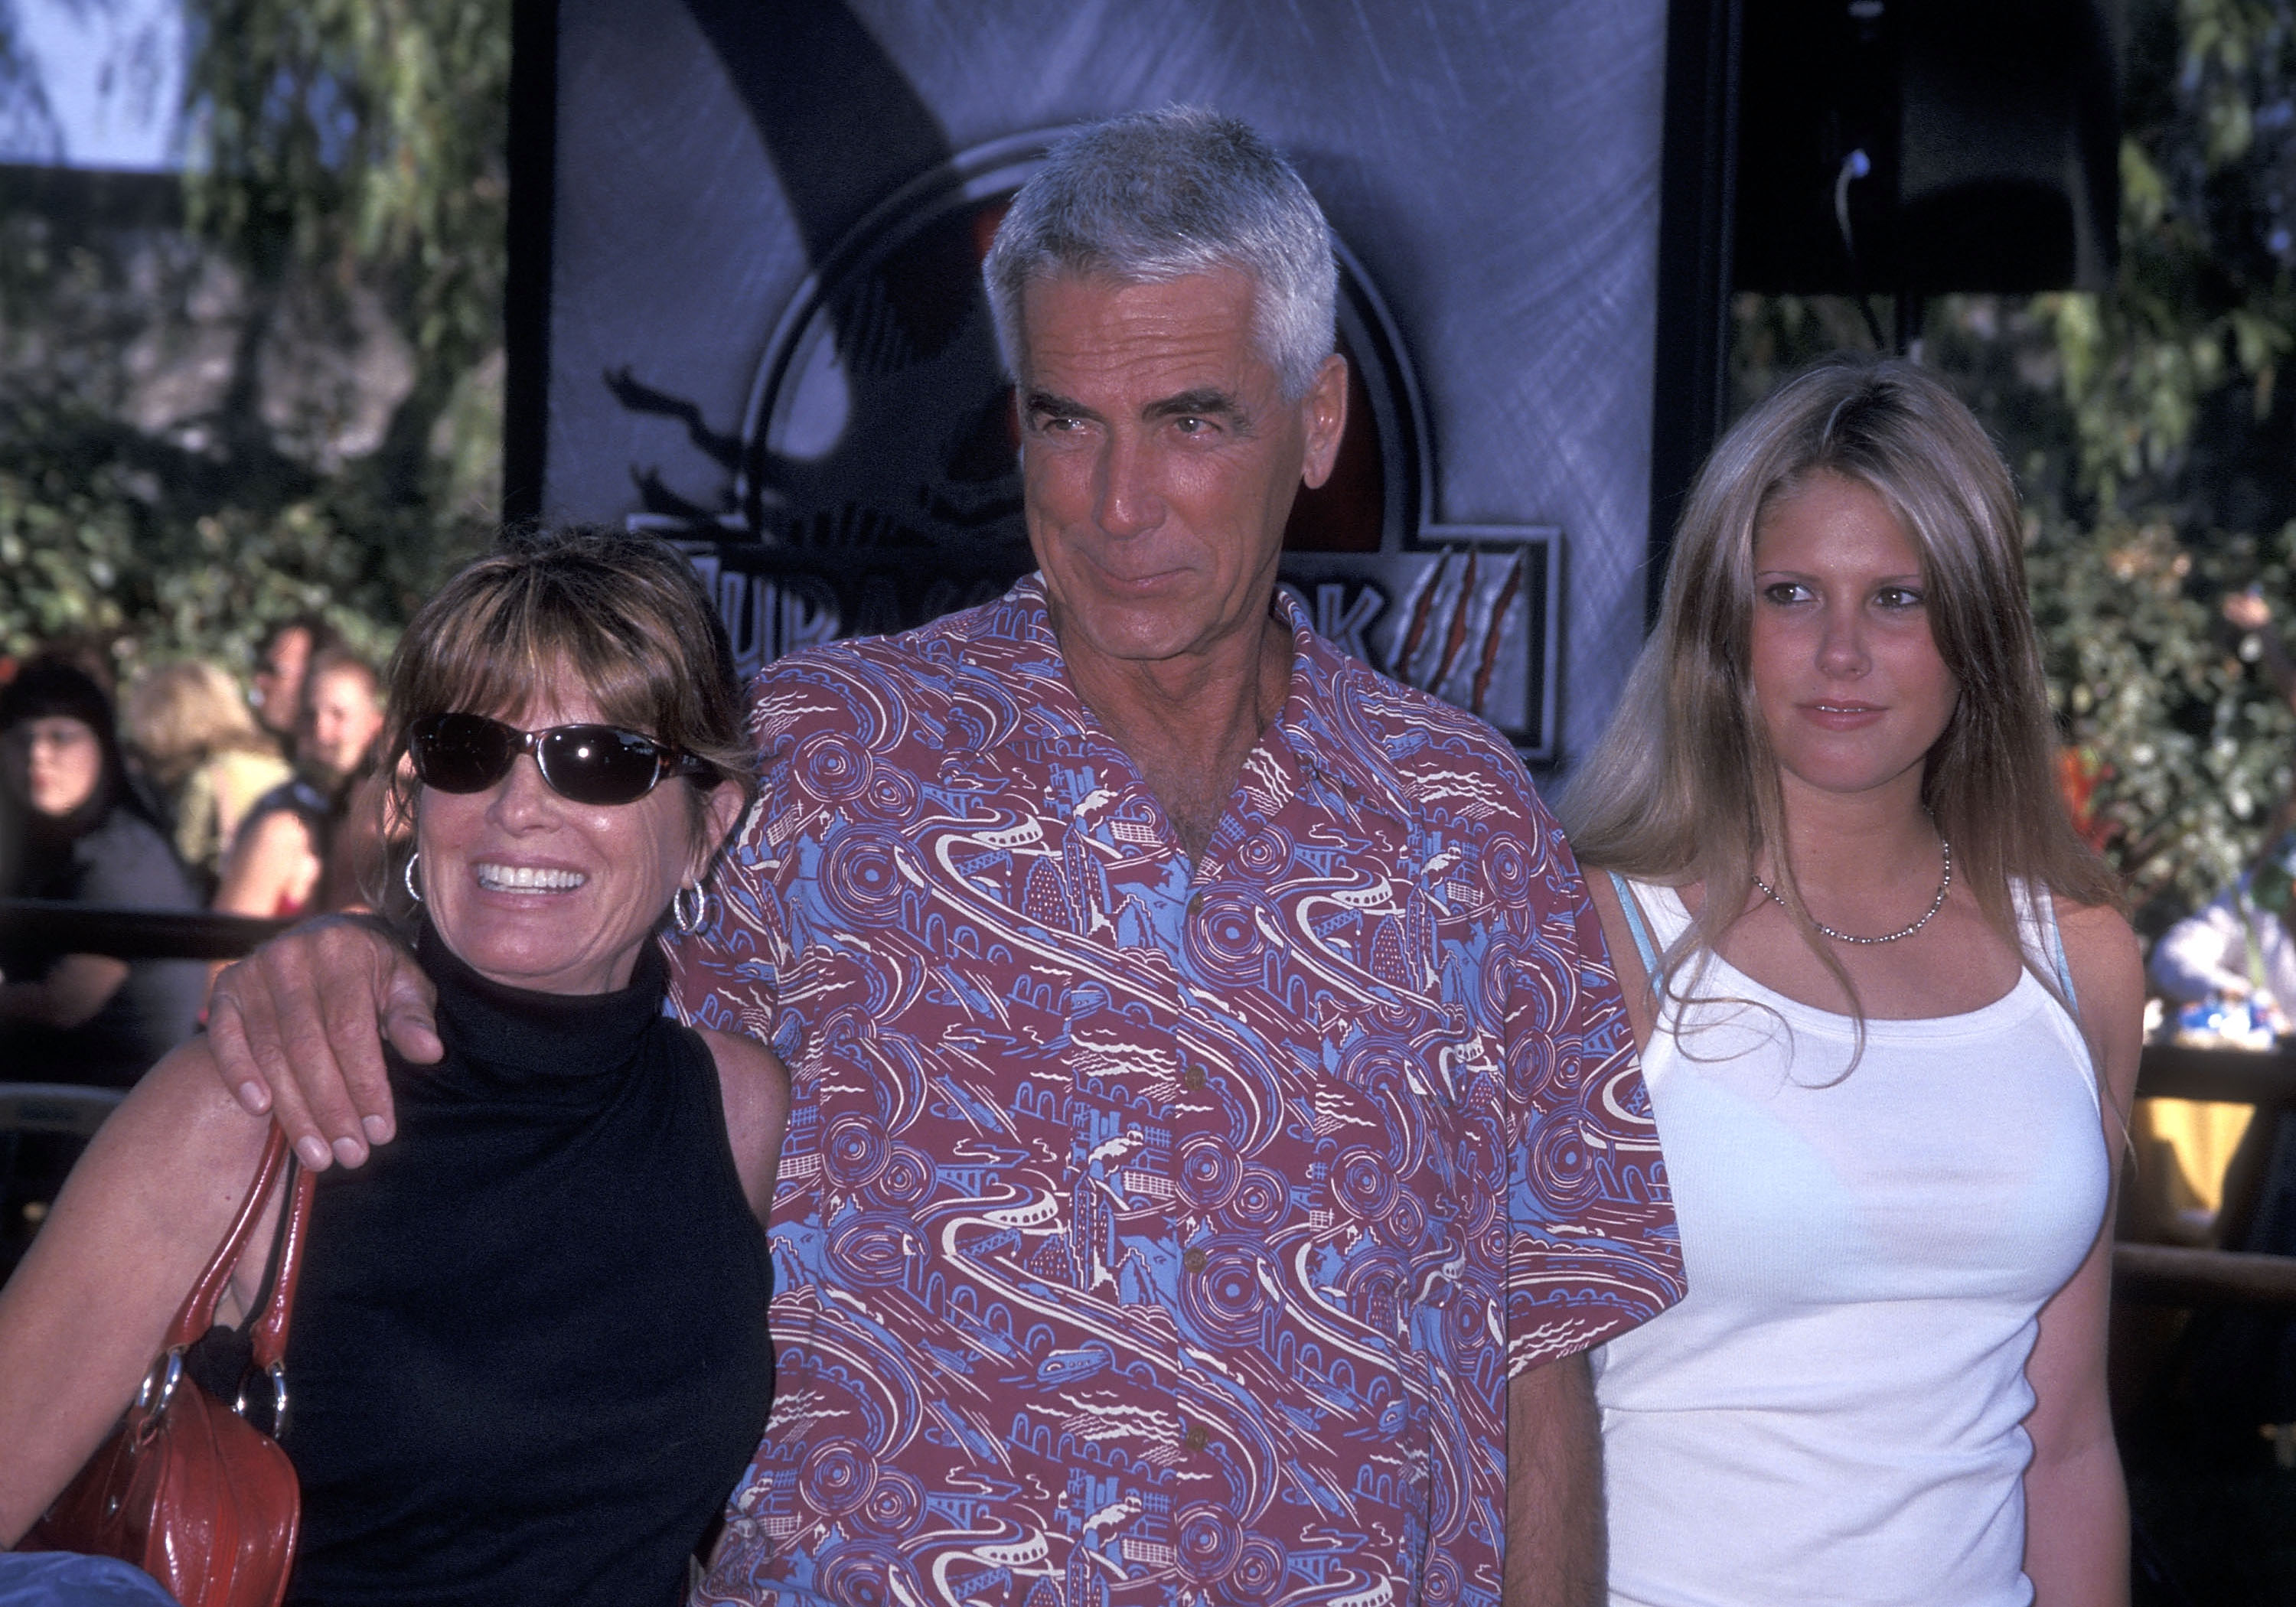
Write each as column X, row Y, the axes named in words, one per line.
column 367, row 134
column 349, row 155
column 97, row 545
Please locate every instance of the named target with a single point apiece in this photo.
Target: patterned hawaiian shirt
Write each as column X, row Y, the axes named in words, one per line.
column 1150, row 1232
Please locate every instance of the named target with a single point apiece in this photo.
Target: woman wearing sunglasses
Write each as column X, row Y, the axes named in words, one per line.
column 528, row 1355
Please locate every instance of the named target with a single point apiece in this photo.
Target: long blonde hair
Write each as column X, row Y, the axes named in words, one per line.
column 1683, row 788
column 183, row 713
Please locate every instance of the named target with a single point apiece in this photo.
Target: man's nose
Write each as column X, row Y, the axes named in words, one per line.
column 1130, row 502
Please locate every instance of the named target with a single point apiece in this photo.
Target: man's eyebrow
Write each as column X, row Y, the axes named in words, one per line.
column 1045, row 404
column 1207, row 401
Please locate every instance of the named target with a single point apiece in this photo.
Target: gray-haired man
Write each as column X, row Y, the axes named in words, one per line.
column 1217, row 1132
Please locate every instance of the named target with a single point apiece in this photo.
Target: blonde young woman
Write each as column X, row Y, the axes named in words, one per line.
column 1889, row 1019
column 190, row 726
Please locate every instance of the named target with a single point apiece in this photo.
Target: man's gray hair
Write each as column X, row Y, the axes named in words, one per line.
column 1158, row 195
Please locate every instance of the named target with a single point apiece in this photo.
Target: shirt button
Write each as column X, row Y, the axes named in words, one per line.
column 1194, row 1077
column 1195, row 1439
column 1194, row 1260
column 1196, row 905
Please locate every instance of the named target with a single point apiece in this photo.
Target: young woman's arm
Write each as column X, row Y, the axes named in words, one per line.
column 83, row 1319
column 755, row 1086
column 272, row 866
column 2076, row 1504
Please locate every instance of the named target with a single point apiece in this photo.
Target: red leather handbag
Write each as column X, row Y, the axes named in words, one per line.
column 186, row 1488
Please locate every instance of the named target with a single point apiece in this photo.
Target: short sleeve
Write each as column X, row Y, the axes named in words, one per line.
column 727, row 976
column 1592, row 1246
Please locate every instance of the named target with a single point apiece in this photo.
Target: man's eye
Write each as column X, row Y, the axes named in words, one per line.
column 1188, row 424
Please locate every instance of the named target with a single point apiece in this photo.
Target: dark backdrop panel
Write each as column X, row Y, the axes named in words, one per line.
column 1493, row 168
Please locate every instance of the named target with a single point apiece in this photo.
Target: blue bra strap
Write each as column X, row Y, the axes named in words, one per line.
column 1634, row 912
column 2046, row 908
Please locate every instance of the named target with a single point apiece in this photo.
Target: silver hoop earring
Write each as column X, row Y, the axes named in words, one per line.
column 689, row 921
column 413, row 891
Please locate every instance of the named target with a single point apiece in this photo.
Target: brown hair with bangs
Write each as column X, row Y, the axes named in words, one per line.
column 620, row 616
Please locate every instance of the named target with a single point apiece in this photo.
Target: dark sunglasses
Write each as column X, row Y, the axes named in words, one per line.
column 588, row 764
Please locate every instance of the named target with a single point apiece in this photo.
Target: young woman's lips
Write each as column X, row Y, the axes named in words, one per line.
column 1842, row 715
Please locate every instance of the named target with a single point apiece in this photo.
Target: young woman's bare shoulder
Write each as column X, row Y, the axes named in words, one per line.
column 2108, row 970
column 2099, row 938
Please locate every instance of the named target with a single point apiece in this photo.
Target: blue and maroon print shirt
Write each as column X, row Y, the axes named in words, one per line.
column 1150, row 1232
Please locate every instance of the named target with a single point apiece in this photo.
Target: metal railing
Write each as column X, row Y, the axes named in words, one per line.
column 135, row 934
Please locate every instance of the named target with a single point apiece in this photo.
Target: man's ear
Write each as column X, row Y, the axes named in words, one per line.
column 1324, row 410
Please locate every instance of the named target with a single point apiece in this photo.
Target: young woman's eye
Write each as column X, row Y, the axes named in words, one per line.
column 1899, row 596
column 1783, row 591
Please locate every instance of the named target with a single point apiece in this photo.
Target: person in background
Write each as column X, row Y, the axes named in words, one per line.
column 276, row 688
column 1890, row 1019
column 84, row 1018
column 280, row 853
column 2237, row 948
column 202, row 747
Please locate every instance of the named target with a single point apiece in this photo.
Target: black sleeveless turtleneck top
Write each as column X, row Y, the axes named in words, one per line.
column 529, row 1356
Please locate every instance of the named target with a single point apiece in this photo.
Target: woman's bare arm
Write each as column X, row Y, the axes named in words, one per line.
column 755, row 1086
column 75, row 988
column 2076, row 1502
column 83, row 1319
column 271, row 865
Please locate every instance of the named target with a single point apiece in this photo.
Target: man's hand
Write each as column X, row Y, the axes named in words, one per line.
column 1556, row 1540
column 297, row 1030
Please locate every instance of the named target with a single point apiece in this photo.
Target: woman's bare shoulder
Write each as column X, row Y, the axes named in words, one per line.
column 755, row 1087
column 1626, row 954
column 2099, row 938
column 2108, row 968
column 181, row 1118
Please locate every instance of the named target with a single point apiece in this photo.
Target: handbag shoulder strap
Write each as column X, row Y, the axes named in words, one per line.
column 197, row 1314
column 271, row 1329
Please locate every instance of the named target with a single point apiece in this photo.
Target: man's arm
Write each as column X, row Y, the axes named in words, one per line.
column 297, row 1030
column 1554, row 1528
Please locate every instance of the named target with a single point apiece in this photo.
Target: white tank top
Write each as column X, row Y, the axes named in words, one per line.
column 1832, row 1413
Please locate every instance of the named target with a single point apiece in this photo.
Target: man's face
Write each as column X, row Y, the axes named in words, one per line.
column 279, row 680
column 1159, row 461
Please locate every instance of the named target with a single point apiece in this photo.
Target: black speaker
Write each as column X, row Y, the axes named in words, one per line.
column 1917, row 147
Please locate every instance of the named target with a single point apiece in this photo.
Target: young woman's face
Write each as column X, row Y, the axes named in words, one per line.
column 341, row 717
column 55, row 762
column 1852, row 692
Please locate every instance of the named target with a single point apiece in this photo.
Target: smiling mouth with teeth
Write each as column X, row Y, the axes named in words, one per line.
column 528, row 879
